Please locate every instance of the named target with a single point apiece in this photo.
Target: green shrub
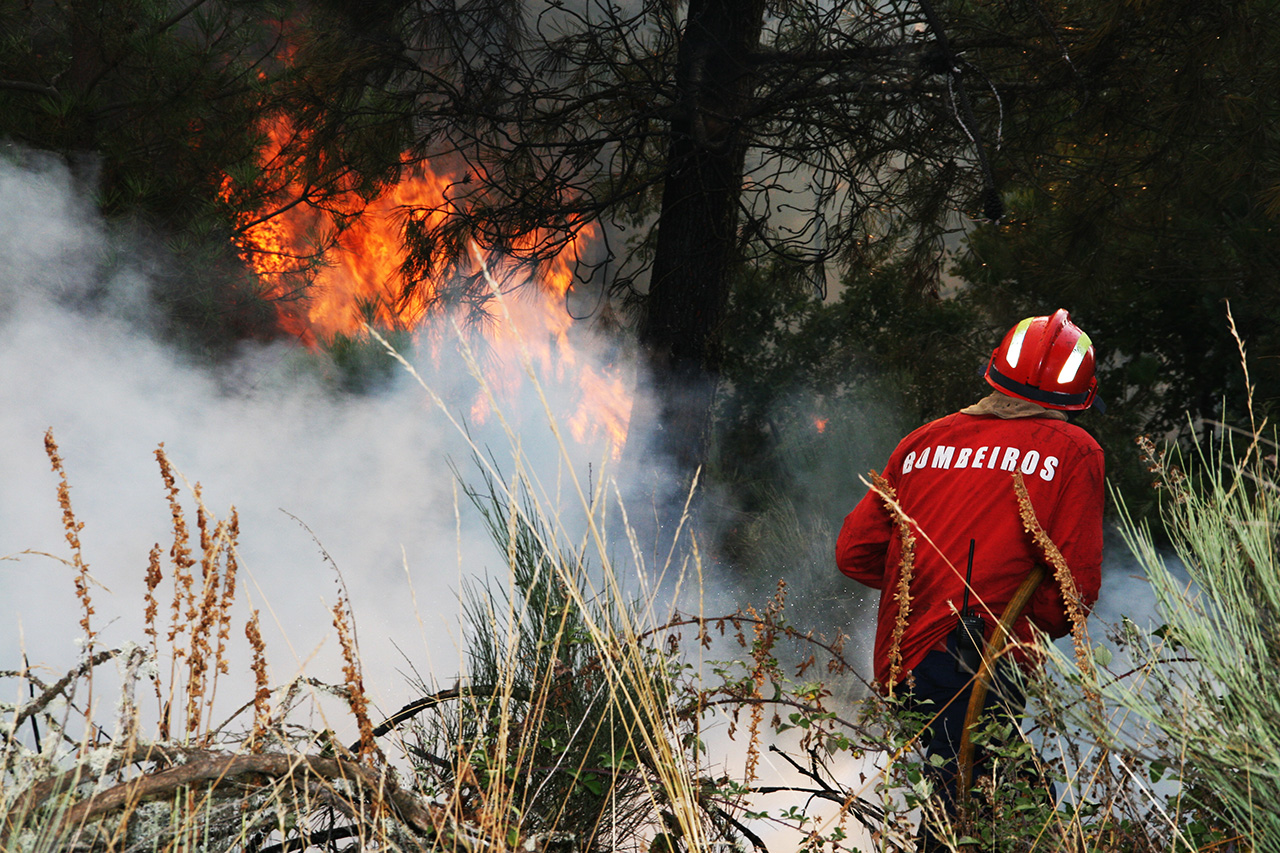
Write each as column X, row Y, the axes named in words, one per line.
column 1207, row 678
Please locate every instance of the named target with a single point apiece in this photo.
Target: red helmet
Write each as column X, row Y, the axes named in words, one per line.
column 1048, row 361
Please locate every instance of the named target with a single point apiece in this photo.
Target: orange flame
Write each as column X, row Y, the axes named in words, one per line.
column 358, row 283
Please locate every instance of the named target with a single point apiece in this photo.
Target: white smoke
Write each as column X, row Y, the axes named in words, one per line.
column 368, row 475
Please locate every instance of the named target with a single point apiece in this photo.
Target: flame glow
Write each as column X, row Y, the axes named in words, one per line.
column 359, row 284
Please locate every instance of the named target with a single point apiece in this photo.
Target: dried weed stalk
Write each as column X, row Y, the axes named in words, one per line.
column 204, row 615
column 179, row 553
column 218, row 576
column 1067, row 584
column 902, row 595
column 198, row 656
column 72, row 527
column 231, row 569
column 1248, row 385
column 1168, row 476
column 763, row 669
column 355, row 694
column 154, row 576
column 262, row 686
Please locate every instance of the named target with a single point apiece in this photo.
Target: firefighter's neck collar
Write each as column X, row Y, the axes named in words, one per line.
column 1004, row 406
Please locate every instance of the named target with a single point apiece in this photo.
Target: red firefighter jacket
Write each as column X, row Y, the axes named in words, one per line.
column 954, row 478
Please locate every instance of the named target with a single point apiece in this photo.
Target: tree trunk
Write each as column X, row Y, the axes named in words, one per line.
column 697, row 239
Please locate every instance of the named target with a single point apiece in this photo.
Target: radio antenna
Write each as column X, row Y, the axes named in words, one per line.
column 968, row 577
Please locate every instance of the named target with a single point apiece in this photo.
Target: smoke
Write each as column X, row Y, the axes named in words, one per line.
column 323, row 482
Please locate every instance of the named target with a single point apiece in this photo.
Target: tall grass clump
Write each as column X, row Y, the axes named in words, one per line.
column 561, row 729
column 1207, row 678
column 582, row 718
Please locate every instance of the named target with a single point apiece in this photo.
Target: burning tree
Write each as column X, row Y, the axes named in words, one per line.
column 701, row 138
column 645, row 150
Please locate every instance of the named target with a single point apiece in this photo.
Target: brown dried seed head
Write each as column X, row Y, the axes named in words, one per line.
column 262, row 692
column 1066, row 583
column 356, row 698
column 154, row 577
column 71, row 529
column 906, row 568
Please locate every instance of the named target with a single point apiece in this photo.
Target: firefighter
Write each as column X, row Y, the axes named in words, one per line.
column 953, row 478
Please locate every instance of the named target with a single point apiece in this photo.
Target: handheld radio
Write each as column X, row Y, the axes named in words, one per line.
column 971, row 628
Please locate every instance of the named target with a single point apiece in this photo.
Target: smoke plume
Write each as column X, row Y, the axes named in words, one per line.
column 323, row 481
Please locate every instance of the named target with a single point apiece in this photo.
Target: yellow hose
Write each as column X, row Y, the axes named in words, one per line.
column 982, row 681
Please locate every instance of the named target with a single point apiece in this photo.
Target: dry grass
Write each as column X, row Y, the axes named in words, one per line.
column 76, row 784
column 71, row 527
column 274, row 780
column 572, row 656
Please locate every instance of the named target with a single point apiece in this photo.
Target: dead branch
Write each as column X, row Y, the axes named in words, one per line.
column 417, row 706
column 38, row 704
column 217, row 770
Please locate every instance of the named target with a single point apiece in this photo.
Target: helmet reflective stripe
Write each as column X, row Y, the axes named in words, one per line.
column 1015, row 343
column 1074, row 360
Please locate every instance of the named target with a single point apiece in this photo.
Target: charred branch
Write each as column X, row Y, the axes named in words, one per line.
column 311, row 839
column 411, row 710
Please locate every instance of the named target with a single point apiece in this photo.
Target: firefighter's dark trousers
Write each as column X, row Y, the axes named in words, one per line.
column 940, row 689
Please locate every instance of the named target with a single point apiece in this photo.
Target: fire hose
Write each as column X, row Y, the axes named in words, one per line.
column 982, row 681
